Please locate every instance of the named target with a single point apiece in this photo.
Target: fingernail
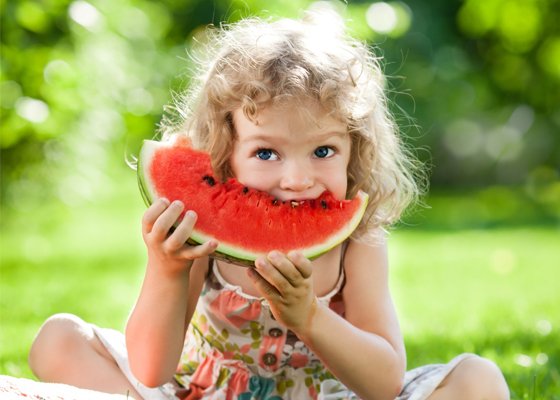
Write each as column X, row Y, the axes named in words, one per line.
column 274, row 255
column 293, row 254
column 164, row 201
column 190, row 214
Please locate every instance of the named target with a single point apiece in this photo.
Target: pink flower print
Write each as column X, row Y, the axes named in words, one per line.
column 312, row 392
column 204, row 374
column 238, row 383
column 299, row 360
column 231, row 350
column 235, row 309
column 270, row 352
column 201, row 323
column 245, row 348
column 228, row 355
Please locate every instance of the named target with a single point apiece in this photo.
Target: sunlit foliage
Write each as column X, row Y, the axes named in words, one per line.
column 476, row 83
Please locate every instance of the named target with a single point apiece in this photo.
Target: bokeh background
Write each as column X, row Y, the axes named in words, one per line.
column 474, row 85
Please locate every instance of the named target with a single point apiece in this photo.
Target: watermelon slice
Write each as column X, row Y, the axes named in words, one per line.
column 246, row 222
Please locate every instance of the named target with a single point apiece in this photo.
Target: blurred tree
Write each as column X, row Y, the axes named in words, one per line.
column 83, row 82
column 486, row 86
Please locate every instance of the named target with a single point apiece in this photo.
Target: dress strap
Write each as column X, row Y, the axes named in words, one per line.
column 343, row 249
column 341, row 277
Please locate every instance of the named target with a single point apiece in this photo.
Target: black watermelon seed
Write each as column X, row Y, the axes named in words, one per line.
column 275, row 202
column 245, row 190
column 209, row 180
column 324, row 204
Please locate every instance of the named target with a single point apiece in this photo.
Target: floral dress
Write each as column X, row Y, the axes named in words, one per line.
column 235, row 350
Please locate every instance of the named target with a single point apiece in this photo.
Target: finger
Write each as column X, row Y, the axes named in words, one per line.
column 272, row 275
column 202, row 250
column 182, row 232
column 285, row 266
column 152, row 213
column 302, row 263
column 268, row 291
column 166, row 220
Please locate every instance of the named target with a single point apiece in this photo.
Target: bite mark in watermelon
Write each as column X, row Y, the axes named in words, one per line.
column 246, row 222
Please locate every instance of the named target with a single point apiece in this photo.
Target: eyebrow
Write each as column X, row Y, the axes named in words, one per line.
column 273, row 137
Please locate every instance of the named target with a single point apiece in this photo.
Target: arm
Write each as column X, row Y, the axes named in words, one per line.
column 155, row 330
column 372, row 360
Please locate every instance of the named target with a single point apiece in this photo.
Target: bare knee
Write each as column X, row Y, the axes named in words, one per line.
column 58, row 339
column 479, row 378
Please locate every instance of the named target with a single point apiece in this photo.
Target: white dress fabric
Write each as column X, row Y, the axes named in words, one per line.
column 235, row 350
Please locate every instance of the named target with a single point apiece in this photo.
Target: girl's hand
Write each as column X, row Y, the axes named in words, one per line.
column 285, row 282
column 168, row 251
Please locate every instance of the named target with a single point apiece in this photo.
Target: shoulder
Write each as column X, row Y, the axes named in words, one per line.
column 366, row 269
column 366, row 293
column 366, row 256
column 367, row 298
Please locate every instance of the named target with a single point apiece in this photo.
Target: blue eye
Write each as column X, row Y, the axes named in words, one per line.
column 266, row 154
column 323, row 152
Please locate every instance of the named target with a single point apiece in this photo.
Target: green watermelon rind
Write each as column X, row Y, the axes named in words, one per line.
column 232, row 253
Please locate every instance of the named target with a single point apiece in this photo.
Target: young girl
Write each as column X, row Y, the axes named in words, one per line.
column 293, row 108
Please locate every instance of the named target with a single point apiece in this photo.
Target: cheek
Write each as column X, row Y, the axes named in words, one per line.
column 237, row 164
column 257, row 179
column 335, row 180
column 340, row 187
column 250, row 175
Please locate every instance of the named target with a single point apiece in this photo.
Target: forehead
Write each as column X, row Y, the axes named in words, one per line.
column 295, row 119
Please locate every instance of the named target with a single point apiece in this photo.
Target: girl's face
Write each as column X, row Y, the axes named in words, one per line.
column 290, row 155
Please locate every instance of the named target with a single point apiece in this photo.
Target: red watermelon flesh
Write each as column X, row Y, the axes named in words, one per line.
column 246, row 222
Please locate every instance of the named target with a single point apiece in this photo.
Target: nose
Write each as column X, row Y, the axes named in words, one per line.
column 296, row 177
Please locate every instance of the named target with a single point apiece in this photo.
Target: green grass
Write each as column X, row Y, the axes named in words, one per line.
column 493, row 292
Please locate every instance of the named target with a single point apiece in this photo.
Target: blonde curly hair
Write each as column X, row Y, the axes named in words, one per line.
column 256, row 63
